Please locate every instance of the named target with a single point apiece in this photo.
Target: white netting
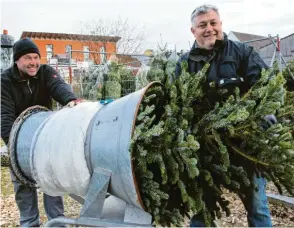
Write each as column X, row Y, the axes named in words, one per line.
column 59, row 163
column 141, row 77
column 92, row 81
column 171, row 64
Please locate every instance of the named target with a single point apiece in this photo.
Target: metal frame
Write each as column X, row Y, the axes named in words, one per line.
column 91, row 213
column 98, row 52
column 125, row 206
column 277, row 49
column 92, row 222
column 12, row 145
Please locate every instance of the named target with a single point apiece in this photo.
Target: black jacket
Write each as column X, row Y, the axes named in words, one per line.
column 19, row 93
column 231, row 64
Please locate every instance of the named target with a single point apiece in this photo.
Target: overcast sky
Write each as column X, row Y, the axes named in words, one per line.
column 170, row 18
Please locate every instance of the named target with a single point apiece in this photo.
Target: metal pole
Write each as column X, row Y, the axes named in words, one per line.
column 273, row 58
column 85, row 221
column 58, row 106
column 109, row 53
column 70, row 70
column 281, row 56
column 279, row 53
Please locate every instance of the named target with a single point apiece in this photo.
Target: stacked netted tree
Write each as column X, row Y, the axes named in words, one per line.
column 128, row 81
column 112, row 87
column 110, row 81
column 186, row 147
column 161, row 68
column 92, row 83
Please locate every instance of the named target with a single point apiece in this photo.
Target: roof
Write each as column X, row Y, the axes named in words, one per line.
column 243, row 37
column 287, row 36
column 129, row 60
column 292, row 34
column 65, row 36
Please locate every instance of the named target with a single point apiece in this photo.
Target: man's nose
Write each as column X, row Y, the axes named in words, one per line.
column 209, row 28
column 33, row 62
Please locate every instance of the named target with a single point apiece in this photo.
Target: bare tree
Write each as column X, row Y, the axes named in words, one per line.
column 131, row 40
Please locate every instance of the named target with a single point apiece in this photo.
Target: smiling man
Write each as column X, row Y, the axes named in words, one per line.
column 28, row 83
column 207, row 28
column 26, row 57
column 232, row 64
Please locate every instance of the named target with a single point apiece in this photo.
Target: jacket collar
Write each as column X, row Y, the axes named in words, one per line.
column 19, row 78
column 197, row 54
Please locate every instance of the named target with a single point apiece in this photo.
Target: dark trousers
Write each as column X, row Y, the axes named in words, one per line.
column 27, row 201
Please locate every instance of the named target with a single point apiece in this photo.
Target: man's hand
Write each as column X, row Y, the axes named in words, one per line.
column 269, row 120
column 73, row 103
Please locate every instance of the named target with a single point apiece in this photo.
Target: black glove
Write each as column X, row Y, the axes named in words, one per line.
column 268, row 121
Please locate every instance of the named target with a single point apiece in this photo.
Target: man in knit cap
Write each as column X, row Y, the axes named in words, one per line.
column 28, row 83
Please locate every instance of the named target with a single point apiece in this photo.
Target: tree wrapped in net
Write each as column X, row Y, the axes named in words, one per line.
column 110, row 81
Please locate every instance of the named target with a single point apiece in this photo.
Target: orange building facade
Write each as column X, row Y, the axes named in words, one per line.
column 81, row 48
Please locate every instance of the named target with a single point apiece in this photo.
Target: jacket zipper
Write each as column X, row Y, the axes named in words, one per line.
column 28, row 83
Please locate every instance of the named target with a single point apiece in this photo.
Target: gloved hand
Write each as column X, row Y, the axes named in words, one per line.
column 268, row 121
column 73, row 103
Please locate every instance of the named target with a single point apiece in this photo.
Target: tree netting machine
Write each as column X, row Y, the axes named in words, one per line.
column 84, row 152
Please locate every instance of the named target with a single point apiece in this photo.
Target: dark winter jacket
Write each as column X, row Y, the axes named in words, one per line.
column 19, row 93
column 231, row 64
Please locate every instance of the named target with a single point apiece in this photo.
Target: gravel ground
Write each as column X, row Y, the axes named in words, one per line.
column 282, row 216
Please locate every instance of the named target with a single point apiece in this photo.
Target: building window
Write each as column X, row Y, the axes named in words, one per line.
column 68, row 49
column 102, row 55
column 49, row 51
column 86, row 53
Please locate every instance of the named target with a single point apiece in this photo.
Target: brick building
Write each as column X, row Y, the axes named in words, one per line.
column 60, row 45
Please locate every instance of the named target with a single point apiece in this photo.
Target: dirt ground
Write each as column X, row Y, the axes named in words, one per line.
column 282, row 216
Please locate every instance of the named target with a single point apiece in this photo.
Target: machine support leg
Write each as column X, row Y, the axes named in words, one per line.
column 96, row 194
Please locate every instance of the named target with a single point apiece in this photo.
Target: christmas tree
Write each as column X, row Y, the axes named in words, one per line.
column 110, row 81
column 186, row 147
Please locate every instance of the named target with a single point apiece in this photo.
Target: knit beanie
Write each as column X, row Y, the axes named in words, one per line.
column 23, row 47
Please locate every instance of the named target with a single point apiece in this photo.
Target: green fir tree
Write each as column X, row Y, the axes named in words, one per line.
column 186, row 148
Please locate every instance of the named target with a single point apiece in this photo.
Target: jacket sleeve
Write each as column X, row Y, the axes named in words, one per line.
column 253, row 64
column 8, row 115
column 58, row 88
column 178, row 70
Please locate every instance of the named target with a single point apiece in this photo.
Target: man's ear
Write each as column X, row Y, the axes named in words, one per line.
column 192, row 30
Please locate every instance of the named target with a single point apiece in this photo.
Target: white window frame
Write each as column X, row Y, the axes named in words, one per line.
column 86, row 53
column 49, row 51
column 68, row 49
column 102, row 55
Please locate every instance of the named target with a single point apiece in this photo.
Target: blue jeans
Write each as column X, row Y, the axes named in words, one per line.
column 27, row 201
column 256, row 204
